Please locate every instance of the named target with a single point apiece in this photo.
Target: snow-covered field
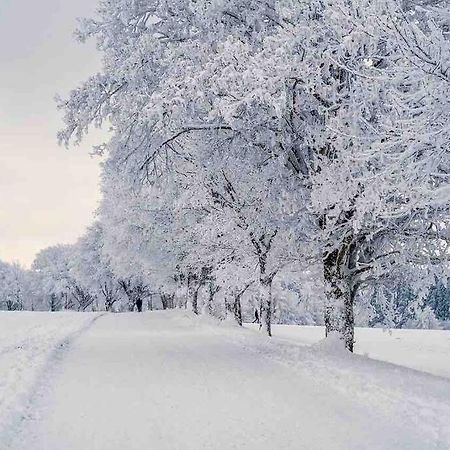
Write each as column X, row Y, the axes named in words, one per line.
column 173, row 381
column 27, row 343
column 425, row 350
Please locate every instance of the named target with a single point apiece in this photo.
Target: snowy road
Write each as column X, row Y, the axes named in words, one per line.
column 164, row 381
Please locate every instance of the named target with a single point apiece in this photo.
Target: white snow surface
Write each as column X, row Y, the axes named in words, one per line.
column 27, row 343
column 169, row 380
column 424, row 350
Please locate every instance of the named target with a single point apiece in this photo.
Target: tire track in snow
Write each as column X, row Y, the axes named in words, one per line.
column 29, row 410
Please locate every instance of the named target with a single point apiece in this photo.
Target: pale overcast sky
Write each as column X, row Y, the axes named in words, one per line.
column 47, row 193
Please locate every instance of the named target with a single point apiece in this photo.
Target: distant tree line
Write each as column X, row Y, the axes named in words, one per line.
column 55, row 284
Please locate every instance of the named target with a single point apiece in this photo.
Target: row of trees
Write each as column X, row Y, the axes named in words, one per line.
column 85, row 276
column 78, row 277
column 298, row 140
column 69, row 277
column 271, row 150
column 55, row 283
column 15, row 287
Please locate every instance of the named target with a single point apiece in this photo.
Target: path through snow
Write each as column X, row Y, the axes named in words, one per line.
column 169, row 381
column 28, row 343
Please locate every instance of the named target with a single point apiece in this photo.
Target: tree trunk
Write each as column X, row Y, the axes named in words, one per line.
column 237, row 309
column 195, row 301
column 266, row 306
column 171, row 303
column 348, row 325
column 53, row 303
column 212, row 293
column 110, row 300
column 108, row 305
column 339, row 315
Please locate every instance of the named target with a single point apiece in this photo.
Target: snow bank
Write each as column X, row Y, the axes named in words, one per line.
column 27, row 342
column 418, row 403
column 413, row 398
column 424, row 350
column 331, row 344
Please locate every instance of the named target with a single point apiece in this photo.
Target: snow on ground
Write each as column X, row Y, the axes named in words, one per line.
column 27, row 341
column 425, row 350
column 172, row 381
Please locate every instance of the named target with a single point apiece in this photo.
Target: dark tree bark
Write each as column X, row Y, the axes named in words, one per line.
column 54, row 303
column 134, row 292
column 83, row 298
column 194, row 299
column 110, row 294
column 237, row 309
column 213, row 290
column 167, row 300
column 195, row 282
column 341, row 291
column 9, row 305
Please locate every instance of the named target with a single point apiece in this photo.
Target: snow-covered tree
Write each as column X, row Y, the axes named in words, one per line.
column 133, row 232
column 14, row 287
column 53, row 268
column 91, row 267
column 351, row 96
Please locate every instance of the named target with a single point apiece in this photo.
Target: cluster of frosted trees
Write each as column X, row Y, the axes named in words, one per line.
column 93, row 274
column 15, row 287
column 74, row 277
column 272, row 150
